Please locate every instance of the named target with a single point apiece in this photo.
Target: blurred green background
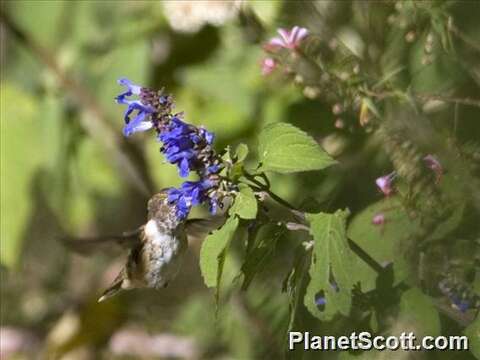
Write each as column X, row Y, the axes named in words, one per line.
column 67, row 170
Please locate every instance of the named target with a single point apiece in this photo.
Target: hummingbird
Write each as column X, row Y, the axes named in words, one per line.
column 157, row 248
column 157, row 252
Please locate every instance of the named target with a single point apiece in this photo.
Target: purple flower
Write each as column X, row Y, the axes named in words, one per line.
column 433, row 163
column 321, row 301
column 185, row 145
column 132, row 89
column 182, row 145
column 378, row 219
column 384, row 183
column 288, row 39
column 191, row 193
column 141, row 121
column 268, row 65
column 207, row 135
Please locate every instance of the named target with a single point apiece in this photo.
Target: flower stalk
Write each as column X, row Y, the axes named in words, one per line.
column 188, row 147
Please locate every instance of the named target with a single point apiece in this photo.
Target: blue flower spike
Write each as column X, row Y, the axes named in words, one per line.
column 184, row 145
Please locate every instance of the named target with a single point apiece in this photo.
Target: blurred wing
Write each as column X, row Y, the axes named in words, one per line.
column 198, row 229
column 86, row 245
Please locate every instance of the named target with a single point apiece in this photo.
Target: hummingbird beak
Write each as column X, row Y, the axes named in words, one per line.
column 113, row 289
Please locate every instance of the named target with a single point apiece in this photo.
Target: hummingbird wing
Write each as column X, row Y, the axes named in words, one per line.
column 198, row 229
column 85, row 245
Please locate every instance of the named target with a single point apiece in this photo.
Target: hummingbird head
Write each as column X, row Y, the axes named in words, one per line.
column 162, row 211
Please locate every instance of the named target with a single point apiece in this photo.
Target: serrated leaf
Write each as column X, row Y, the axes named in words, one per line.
column 283, row 148
column 245, row 204
column 212, row 252
column 331, row 258
column 418, row 313
column 473, row 334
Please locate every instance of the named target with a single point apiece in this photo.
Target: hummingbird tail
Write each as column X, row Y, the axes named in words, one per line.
column 112, row 289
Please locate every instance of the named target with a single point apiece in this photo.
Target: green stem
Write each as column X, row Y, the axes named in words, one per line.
column 261, row 187
column 362, row 254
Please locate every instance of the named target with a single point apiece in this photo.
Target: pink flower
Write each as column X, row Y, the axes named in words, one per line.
column 288, row 39
column 384, row 183
column 378, row 219
column 432, row 162
column 268, row 65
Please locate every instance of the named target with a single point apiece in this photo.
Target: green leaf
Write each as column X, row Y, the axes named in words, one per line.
column 22, row 154
column 473, row 333
column 418, row 313
column 245, row 205
column 263, row 250
column 331, row 257
column 241, row 152
column 284, row 148
column 381, row 241
column 212, row 252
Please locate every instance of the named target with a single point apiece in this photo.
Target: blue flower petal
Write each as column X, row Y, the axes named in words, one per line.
column 213, row 206
column 132, row 88
column 321, row 301
column 137, row 124
column 184, row 168
column 212, row 169
column 209, row 137
column 190, row 193
column 135, row 105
